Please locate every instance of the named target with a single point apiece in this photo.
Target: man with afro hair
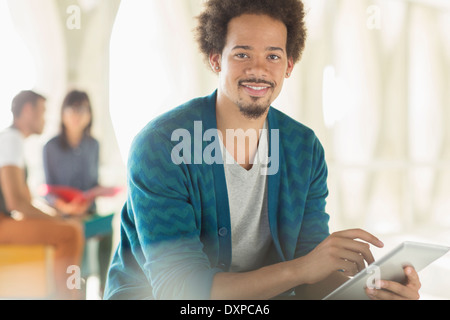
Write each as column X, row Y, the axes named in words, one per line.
column 226, row 194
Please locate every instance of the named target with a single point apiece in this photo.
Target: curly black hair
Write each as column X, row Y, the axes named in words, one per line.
column 212, row 29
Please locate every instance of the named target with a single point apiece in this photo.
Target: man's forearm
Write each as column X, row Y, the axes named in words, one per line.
column 321, row 289
column 264, row 283
column 28, row 211
column 271, row 281
column 16, row 193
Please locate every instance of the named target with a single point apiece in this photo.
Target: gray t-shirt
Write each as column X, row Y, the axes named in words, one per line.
column 11, row 154
column 247, row 195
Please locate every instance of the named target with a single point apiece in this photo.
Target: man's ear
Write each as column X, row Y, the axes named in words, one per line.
column 290, row 67
column 215, row 62
column 27, row 110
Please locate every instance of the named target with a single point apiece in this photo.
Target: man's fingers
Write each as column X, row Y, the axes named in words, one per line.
column 360, row 248
column 347, row 239
column 347, row 250
column 349, row 268
column 352, row 249
column 393, row 291
column 354, row 259
column 360, row 234
column 412, row 278
column 390, row 290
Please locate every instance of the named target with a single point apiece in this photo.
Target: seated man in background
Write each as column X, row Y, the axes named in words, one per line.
column 33, row 227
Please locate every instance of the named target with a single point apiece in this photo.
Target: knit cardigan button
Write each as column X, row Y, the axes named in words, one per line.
column 223, row 232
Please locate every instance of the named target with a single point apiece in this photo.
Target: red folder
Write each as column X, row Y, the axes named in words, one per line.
column 70, row 194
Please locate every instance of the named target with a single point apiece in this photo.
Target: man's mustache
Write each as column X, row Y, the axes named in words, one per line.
column 257, row 81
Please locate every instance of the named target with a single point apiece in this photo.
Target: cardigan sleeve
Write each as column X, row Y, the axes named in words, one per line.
column 162, row 228
column 315, row 220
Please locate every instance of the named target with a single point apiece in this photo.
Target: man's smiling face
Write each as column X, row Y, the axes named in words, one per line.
column 254, row 63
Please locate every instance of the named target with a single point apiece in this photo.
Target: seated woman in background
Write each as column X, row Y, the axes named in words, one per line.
column 72, row 159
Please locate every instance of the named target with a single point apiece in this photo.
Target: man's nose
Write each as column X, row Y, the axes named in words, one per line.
column 257, row 68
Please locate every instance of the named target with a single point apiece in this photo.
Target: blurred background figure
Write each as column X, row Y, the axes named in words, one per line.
column 71, row 159
column 21, row 223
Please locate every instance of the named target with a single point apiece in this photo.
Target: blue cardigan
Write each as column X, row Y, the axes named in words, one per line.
column 175, row 226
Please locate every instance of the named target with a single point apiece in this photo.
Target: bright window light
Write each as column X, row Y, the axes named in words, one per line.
column 18, row 71
column 337, row 100
column 138, row 76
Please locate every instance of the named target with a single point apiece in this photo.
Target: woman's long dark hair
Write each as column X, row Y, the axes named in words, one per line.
column 75, row 99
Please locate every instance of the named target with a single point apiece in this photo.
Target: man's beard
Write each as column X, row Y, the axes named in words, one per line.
column 257, row 108
column 254, row 110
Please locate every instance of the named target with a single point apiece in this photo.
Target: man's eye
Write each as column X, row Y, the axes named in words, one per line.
column 274, row 57
column 241, row 55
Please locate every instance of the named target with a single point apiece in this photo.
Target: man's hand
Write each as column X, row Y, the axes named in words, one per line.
column 339, row 252
column 390, row 290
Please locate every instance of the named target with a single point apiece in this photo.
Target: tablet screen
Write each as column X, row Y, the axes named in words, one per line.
column 390, row 267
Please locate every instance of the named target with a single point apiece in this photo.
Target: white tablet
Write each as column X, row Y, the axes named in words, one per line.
column 390, row 267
